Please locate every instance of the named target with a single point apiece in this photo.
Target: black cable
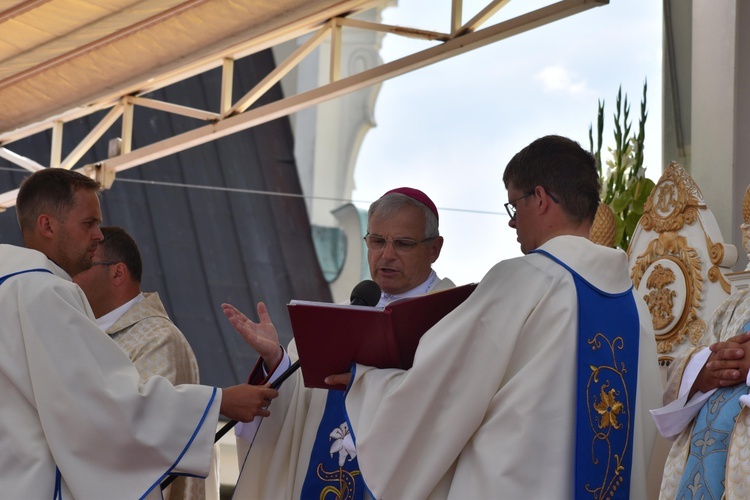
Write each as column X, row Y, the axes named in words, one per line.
column 228, row 426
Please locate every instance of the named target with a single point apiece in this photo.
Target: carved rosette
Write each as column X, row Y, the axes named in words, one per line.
column 674, row 201
column 668, row 277
column 604, row 227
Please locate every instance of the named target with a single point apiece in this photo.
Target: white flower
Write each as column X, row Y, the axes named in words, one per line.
column 343, row 444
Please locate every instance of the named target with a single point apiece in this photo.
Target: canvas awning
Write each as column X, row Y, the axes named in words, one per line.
column 63, row 59
column 58, row 55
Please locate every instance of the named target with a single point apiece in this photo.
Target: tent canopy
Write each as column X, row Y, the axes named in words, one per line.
column 59, row 55
column 61, row 60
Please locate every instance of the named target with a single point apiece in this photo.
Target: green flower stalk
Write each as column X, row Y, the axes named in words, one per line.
column 625, row 187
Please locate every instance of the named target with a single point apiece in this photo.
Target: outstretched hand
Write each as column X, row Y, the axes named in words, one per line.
column 261, row 336
column 727, row 365
column 245, row 402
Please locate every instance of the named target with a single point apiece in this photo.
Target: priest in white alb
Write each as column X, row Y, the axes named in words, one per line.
column 539, row 384
column 76, row 422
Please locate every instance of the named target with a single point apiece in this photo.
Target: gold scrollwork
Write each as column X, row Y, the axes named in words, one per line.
column 673, row 203
column 716, row 254
column 673, row 247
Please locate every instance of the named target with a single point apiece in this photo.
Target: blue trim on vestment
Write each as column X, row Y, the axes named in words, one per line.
column 606, row 385
column 58, row 478
column 39, row 269
column 184, row 450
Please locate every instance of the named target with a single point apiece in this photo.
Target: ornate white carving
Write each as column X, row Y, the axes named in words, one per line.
column 676, row 256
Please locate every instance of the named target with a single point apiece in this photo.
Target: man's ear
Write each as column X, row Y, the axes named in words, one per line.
column 45, row 225
column 120, row 273
column 544, row 201
column 435, row 246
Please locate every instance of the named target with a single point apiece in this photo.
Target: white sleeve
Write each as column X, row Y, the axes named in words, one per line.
column 248, row 430
column 673, row 418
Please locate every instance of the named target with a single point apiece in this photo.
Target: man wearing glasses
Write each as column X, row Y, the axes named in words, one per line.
column 305, row 450
column 539, row 384
column 139, row 324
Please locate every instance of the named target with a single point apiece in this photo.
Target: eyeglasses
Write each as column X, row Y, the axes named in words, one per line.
column 105, row 263
column 510, row 207
column 401, row 245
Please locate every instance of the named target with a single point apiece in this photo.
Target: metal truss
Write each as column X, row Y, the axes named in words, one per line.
column 234, row 115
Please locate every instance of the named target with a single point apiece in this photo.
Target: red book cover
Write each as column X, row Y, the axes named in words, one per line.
column 330, row 337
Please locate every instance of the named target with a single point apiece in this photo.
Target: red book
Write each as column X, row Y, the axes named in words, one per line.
column 330, row 337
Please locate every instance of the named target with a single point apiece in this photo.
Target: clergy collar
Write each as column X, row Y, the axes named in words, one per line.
column 386, row 298
column 109, row 319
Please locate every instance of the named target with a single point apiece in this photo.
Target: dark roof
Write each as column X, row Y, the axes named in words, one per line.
column 202, row 247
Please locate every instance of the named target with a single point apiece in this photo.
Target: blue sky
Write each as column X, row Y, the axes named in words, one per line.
column 449, row 129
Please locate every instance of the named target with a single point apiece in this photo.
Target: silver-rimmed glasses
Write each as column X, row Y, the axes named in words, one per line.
column 401, row 245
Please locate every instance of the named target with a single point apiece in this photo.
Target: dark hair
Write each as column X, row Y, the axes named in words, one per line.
column 49, row 191
column 562, row 167
column 391, row 203
column 119, row 246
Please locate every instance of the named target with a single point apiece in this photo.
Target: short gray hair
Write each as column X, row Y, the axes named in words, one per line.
column 391, row 203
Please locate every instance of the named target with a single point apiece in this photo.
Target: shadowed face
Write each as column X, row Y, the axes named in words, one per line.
column 77, row 234
column 400, row 271
column 524, row 221
column 95, row 281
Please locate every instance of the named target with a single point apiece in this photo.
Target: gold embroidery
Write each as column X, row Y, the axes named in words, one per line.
column 346, row 489
column 608, row 409
column 603, row 415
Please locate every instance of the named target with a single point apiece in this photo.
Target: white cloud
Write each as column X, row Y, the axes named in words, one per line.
column 557, row 78
column 450, row 128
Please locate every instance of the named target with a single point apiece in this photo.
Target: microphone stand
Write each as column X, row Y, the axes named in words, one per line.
column 229, row 425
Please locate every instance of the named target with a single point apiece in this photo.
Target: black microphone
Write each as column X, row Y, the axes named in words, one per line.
column 366, row 293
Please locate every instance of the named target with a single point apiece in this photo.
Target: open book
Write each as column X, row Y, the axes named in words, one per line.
column 330, row 337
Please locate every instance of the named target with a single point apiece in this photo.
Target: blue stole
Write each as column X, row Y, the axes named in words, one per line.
column 608, row 337
column 333, row 472
column 705, row 469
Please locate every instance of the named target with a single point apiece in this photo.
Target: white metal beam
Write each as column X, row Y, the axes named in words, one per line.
column 280, row 71
column 96, row 133
column 21, row 161
column 239, row 117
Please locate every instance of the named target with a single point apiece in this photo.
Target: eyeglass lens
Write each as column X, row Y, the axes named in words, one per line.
column 399, row 244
